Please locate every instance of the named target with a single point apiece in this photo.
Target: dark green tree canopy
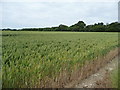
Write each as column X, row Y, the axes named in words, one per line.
column 78, row 27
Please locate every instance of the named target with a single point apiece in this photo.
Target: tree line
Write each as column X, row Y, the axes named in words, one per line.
column 78, row 27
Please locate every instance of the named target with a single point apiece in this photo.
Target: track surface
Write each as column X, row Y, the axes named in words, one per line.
column 91, row 81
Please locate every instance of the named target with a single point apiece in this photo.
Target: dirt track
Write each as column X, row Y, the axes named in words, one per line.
column 91, row 68
column 87, row 75
column 91, row 81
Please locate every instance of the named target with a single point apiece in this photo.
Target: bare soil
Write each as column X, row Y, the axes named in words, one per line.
column 101, row 78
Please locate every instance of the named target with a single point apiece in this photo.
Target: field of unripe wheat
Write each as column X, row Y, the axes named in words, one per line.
column 30, row 58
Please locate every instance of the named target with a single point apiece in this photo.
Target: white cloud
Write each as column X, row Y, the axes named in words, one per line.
column 43, row 14
column 0, row 15
column 59, row 0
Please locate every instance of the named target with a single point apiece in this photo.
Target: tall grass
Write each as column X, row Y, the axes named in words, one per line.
column 114, row 79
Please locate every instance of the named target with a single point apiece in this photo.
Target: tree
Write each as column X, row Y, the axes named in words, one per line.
column 100, row 27
column 113, row 27
column 78, row 26
column 63, row 27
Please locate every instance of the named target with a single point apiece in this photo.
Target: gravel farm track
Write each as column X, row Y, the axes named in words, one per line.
column 99, row 79
column 99, row 76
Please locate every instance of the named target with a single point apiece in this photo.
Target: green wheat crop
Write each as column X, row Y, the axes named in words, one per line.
column 28, row 57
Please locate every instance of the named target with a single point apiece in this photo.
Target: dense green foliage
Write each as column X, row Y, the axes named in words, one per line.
column 78, row 27
column 29, row 57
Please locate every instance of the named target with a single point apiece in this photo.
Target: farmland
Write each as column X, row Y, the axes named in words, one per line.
column 30, row 57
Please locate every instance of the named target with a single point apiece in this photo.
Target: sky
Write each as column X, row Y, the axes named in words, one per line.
column 50, row 13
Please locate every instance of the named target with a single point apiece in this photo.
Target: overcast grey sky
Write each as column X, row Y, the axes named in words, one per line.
column 47, row 14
